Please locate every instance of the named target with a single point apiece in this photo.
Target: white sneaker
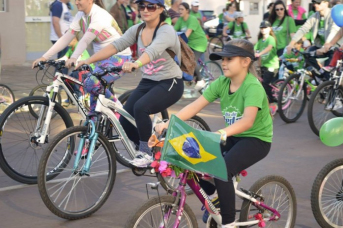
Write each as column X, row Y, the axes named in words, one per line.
column 143, row 160
column 338, row 105
column 200, row 84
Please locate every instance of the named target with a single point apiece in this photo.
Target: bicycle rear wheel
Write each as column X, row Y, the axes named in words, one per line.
column 19, row 151
column 215, row 45
column 6, row 97
column 171, row 183
column 292, row 99
column 318, row 111
column 151, row 214
column 70, row 194
column 276, row 192
column 327, row 195
column 210, row 72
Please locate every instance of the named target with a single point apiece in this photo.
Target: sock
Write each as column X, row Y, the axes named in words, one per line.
column 213, row 196
column 143, row 147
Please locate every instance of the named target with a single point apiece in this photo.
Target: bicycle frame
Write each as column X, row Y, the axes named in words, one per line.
column 180, row 200
column 58, row 82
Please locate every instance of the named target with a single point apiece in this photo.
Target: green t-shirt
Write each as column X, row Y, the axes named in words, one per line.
column 295, row 13
column 281, row 31
column 249, row 94
column 220, row 17
column 321, row 31
column 238, row 32
column 168, row 20
column 129, row 21
column 85, row 55
column 296, row 65
column 197, row 40
column 197, row 15
column 270, row 59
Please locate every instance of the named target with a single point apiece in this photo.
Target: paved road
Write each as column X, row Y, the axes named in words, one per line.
column 297, row 154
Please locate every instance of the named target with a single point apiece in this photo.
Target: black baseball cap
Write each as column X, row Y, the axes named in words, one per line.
column 265, row 24
column 318, row 1
column 230, row 50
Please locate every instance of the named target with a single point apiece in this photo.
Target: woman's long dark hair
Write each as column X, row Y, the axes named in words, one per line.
column 273, row 16
column 99, row 3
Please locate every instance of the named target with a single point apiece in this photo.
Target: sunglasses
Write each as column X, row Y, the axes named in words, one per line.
column 150, row 7
column 279, row 9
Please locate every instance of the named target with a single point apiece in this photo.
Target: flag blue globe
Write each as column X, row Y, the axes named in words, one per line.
column 191, row 148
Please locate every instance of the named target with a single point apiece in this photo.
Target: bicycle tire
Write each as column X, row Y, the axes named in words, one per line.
column 156, row 202
column 256, row 188
column 285, row 109
column 7, row 97
column 318, row 190
column 321, row 99
column 12, row 120
column 171, row 183
column 40, row 90
column 215, row 45
column 210, row 73
column 69, row 209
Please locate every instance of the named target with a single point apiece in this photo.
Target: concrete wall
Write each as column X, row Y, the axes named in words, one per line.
column 12, row 32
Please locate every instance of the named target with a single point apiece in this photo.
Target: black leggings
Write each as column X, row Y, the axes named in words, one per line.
column 242, row 152
column 149, row 97
column 268, row 77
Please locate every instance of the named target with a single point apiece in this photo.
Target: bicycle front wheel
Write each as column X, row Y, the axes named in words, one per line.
column 72, row 193
column 6, row 97
column 151, row 214
column 292, row 99
column 19, row 150
column 277, row 193
column 327, row 195
column 325, row 104
column 215, row 45
column 171, row 183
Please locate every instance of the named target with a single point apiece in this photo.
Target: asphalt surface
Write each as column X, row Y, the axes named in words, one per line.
column 297, row 154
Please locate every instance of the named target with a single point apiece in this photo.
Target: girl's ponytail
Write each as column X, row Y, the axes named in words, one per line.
column 99, row 3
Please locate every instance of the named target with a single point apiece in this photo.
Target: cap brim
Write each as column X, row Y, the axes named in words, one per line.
column 220, row 55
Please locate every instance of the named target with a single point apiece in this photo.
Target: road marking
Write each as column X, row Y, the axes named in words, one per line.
column 30, row 185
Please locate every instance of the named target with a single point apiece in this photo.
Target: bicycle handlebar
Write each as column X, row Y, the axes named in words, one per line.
column 57, row 63
column 105, row 71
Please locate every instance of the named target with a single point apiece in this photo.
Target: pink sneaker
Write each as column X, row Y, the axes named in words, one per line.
column 273, row 108
column 327, row 68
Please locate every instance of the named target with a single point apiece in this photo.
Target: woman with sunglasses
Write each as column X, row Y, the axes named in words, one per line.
column 161, row 85
column 197, row 40
column 283, row 26
column 99, row 29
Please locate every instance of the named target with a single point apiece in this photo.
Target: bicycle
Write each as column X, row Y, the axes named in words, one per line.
column 327, row 192
column 93, row 162
column 296, row 90
column 6, row 97
column 326, row 101
column 209, row 71
column 271, row 199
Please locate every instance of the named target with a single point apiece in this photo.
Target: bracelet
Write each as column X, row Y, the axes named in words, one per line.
column 140, row 64
column 222, row 134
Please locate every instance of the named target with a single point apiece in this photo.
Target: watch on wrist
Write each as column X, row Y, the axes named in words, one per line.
column 223, row 135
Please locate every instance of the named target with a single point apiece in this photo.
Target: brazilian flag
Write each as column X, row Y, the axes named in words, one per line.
column 192, row 149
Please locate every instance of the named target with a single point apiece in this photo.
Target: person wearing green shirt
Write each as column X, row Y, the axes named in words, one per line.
column 238, row 28
column 266, row 50
column 197, row 40
column 195, row 11
column 297, row 60
column 248, row 129
column 283, row 26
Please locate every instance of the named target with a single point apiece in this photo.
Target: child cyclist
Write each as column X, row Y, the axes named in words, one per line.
column 298, row 59
column 249, row 128
column 266, row 50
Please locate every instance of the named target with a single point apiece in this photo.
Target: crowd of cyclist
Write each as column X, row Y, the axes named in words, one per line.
column 285, row 28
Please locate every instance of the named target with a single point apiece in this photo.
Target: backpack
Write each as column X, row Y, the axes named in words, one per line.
column 233, row 28
column 188, row 62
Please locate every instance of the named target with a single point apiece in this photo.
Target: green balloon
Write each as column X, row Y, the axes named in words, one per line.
column 331, row 133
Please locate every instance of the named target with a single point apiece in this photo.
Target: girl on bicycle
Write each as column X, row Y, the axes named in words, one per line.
column 266, row 50
column 244, row 106
column 99, row 29
column 197, row 40
column 161, row 85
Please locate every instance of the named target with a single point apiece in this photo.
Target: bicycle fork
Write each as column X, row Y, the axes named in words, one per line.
column 92, row 136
